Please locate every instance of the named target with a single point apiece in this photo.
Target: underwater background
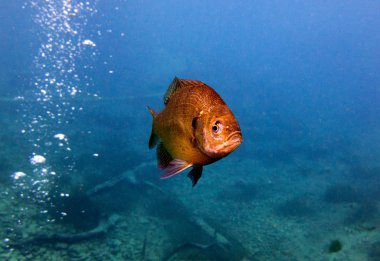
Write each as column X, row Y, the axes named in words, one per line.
column 78, row 182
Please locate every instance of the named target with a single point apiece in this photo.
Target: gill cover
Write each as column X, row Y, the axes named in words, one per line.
column 217, row 132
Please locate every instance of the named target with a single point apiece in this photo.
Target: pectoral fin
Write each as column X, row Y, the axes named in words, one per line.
column 195, row 174
column 163, row 156
column 153, row 139
column 175, row 166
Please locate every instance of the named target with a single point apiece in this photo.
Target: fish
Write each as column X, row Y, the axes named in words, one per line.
column 196, row 128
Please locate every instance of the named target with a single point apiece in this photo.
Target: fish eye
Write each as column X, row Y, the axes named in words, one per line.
column 216, row 128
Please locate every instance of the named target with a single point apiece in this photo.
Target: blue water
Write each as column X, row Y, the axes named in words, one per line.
column 302, row 78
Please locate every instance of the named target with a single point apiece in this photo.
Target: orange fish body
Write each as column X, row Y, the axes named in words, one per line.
column 195, row 128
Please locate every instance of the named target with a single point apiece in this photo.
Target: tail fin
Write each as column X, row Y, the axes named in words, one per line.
column 153, row 140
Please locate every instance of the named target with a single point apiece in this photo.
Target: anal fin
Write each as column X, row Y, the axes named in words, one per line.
column 195, row 174
column 175, row 166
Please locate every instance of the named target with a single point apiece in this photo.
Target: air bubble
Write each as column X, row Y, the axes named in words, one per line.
column 37, row 159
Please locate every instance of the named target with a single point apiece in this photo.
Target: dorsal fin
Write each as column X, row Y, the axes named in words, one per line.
column 178, row 84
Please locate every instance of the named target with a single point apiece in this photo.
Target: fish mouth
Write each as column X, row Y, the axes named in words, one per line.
column 234, row 139
column 232, row 142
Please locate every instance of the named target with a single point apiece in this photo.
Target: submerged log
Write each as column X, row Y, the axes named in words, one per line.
column 188, row 246
column 219, row 243
column 128, row 176
column 99, row 231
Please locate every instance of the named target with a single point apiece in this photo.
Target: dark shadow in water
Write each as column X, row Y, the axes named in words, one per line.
column 5, row 168
column 374, row 251
column 339, row 194
column 122, row 199
column 191, row 237
column 77, row 210
column 286, row 153
column 363, row 212
column 190, row 251
column 305, row 171
column 271, row 157
column 312, row 152
column 363, row 202
column 113, row 160
column 296, row 207
column 240, row 192
column 84, row 212
column 116, row 122
column 361, row 171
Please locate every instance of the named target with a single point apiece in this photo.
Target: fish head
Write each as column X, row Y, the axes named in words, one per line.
column 218, row 132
